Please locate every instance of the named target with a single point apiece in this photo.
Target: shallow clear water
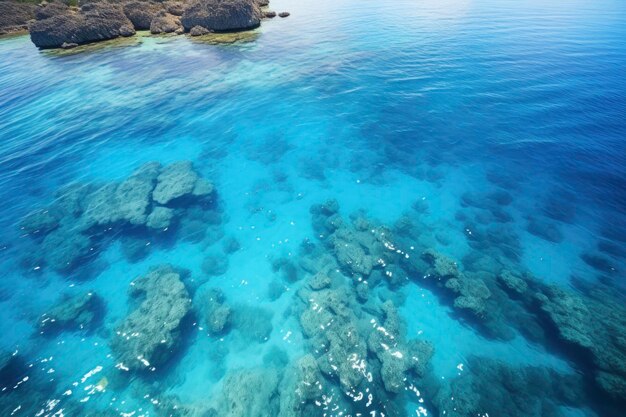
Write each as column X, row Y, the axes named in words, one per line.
column 490, row 132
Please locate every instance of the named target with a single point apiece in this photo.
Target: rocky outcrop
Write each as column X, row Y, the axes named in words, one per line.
column 199, row 31
column 14, row 16
column 48, row 10
column 397, row 357
column 179, row 180
column 490, row 387
column 92, row 22
column 148, row 337
column 471, row 293
column 165, row 22
column 221, row 15
column 249, row 393
column 73, row 227
column 58, row 26
column 76, row 312
column 217, row 312
column 597, row 327
column 141, row 13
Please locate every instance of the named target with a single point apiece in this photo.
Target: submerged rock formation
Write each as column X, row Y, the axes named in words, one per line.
column 77, row 312
column 147, row 203
column 150, row 334
column 489, row 387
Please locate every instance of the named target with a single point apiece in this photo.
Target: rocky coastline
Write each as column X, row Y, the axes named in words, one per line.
column 66, row 24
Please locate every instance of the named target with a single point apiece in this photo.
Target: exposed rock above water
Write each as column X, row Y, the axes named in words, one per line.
column 57, row 24
column 14, row 16
column 222, row 15
column 92, row 22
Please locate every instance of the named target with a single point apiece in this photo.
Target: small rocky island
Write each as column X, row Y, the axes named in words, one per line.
column 59, row 24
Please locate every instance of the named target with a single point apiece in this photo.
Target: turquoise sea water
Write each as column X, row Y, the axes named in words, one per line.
column 380, row 170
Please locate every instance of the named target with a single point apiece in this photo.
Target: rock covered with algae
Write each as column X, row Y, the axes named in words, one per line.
column 512, row 282
column 73, row 227
column 489, row 387
column 150, row 334
column 217, row 312
column 596, row 325
column 178, row 180
column 302, row 385
column 72, row 312
column 470, row 293
column 398, row 358
column 249, row 393
column 329, row 321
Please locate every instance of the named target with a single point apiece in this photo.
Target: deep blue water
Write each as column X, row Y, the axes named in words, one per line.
column 490, row 132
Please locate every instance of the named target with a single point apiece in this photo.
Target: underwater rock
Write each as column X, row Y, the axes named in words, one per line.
column 83, row 216
column 69, row 201
column 329, row 321
column 569, row 314
column 77, row 312
column 362, row 291
column 132, row 196
column 287, row 268
column 177, row 180
column 512, row 283
column 596, row 325
column 92, row 22
column 231, row 245
column 101, row 206
column 443, row 266
column 471, row 293
column 150, row 334
column 165, row 22
column 63, row 250
column 489, row 387
column 359, row 247
column 249, row 393
column 598, row 262
column 217, row 312
column 319, row 281
column 221, row 15
column 301, row 385
column 134, row 249
column 14, row 16
column 215, row 264
column 350, row 254
column 545, row 230
column 396, row 357
column 253, row 323
column 128, row 201
column 160, row 218
column 39, row 222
